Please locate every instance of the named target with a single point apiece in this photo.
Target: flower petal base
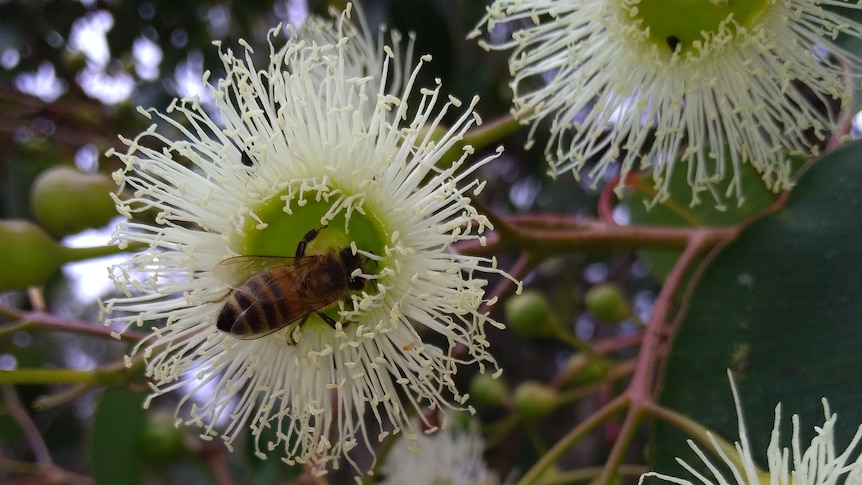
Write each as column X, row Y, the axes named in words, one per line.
column 690, row 26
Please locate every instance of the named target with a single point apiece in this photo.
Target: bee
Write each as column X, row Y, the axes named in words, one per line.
column 271, row 292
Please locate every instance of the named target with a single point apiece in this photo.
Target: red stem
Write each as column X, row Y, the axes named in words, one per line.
column 643, row 383
column 38, row 320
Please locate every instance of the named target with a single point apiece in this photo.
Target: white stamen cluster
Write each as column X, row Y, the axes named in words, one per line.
column 818, row 464
column 754, row 93
column 318, row 126
column 452, row 457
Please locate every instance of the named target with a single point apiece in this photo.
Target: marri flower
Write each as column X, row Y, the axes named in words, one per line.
column 452, row 457
column 704, row 86
column 817, row 464
column 322, row 159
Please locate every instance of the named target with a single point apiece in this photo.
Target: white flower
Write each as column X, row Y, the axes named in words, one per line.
column 819, row 464
column 450, row 457
column 315, row 141
column 644, row 82
column 363, row 56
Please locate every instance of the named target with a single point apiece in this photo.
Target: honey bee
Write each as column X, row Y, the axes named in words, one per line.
column 272, row 292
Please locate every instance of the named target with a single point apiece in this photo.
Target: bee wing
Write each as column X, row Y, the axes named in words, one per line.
column 236, row 270
column 311, row 280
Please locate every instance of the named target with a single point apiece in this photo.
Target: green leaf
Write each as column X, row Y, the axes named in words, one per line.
column 780, row 307
column 117, row 428
column 677, row 211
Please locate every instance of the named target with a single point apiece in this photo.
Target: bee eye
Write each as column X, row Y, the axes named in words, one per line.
column 356, row 283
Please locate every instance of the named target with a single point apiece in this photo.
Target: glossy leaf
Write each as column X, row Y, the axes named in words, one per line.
column 780, row 307
column 677, row 210
column 117, row 428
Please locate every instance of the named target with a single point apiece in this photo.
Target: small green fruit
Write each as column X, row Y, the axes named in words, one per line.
column 488, row 391
column 534, row 400
column 29, row 255
column 583, row 369
column 607, row 302
column 161, row 441
column 66, row 201
column 529, row 315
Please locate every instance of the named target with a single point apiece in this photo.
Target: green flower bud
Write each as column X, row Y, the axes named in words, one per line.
column 29, row 255
column 488, row 391
column 607, row 302
column 161, row 441
column 460, row 420
column 582, row 369
column 534, row 400
column 529, row 315
column 66, row 201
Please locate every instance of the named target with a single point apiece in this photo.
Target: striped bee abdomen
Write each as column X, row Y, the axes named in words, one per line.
column 256, row 309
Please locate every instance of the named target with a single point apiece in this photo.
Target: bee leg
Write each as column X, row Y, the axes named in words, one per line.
column 290, row 336
column 309, row 236
column 326, row 318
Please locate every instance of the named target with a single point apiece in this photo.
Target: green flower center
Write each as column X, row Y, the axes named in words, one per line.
column 280, row 223
column 689, row 26
column 278, row 233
